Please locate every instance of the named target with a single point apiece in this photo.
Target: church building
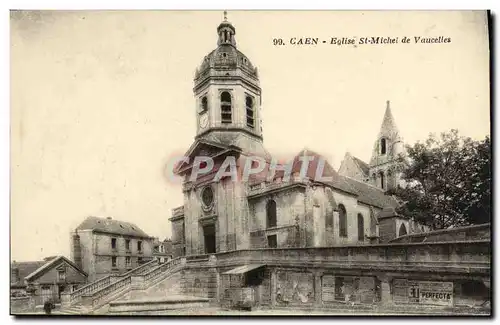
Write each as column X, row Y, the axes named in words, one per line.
column 219, row 215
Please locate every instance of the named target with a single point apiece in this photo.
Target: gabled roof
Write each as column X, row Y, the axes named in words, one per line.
column 53, row 262
column 365, row 168
column 111, row 226
column 349, row 162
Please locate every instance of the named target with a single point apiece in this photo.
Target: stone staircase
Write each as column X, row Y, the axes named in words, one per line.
column 97, row 294
column 95, row 297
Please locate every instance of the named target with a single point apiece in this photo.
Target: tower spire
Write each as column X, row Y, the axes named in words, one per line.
column 225, row 15
column 388, row 126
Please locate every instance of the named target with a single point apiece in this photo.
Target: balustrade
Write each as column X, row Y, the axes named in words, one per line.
column 262, row 187
column 98, row 296
column 89, row 288
column 162, row 268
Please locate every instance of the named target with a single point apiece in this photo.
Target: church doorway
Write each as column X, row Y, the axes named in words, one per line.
column 209, row 236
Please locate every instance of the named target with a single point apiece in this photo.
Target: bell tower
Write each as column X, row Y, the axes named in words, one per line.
column 228, row 95
column 388, row 154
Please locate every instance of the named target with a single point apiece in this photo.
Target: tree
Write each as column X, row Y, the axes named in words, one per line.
column 448, row 181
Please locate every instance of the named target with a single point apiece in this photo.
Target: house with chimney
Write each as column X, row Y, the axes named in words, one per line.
column 103, row 246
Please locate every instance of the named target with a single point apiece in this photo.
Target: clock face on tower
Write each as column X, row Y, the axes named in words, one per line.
column 203, row 120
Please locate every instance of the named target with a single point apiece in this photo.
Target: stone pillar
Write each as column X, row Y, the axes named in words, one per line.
column 318, row 297
column 213, row 292
column 274, row 280
column 335, row 226
column 31, row 290
column 137, row 282
column 65, row 299
column 87, row 300
column 217, row 283
column 385, row 290
column 32, row 303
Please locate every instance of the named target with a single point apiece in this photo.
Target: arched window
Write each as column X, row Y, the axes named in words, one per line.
column 271, row 214
column 204, row 104
column 250, row 112
column 382, row 180
column 402, row 230
column 226, row 107
column 361, row 227
column 383, row 146
column 342, row 221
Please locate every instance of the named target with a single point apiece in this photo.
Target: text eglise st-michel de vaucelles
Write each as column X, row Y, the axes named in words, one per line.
column 369, row 40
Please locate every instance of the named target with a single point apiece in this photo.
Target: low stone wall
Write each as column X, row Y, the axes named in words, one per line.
column 21, row 305
column 334, row 288
column 476, row 232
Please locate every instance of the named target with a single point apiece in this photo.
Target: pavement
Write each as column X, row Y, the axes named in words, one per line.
column 215, row 311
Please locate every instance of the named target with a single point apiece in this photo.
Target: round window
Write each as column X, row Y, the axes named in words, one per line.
column 207, row 196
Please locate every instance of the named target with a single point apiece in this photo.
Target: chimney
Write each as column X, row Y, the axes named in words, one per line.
column 109, row 218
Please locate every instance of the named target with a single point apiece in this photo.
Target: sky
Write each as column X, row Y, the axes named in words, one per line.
column 101, row 100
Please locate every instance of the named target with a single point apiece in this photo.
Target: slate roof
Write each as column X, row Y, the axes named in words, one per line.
column 25, row 269
column 365, row 168
column 370, row 194
column 112, row 226
column 50, row 263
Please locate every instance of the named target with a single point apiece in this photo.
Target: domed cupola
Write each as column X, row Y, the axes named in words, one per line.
column 228, row 95
column 226, row 60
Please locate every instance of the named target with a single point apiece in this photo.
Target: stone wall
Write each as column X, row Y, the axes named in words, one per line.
column 178, row 239
column 325, row 288
column 199, row 282
column 441, row 275
column 287, row 237
column 21, row 305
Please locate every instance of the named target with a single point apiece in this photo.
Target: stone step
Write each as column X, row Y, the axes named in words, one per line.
column 73, row 310
column 157, row 304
